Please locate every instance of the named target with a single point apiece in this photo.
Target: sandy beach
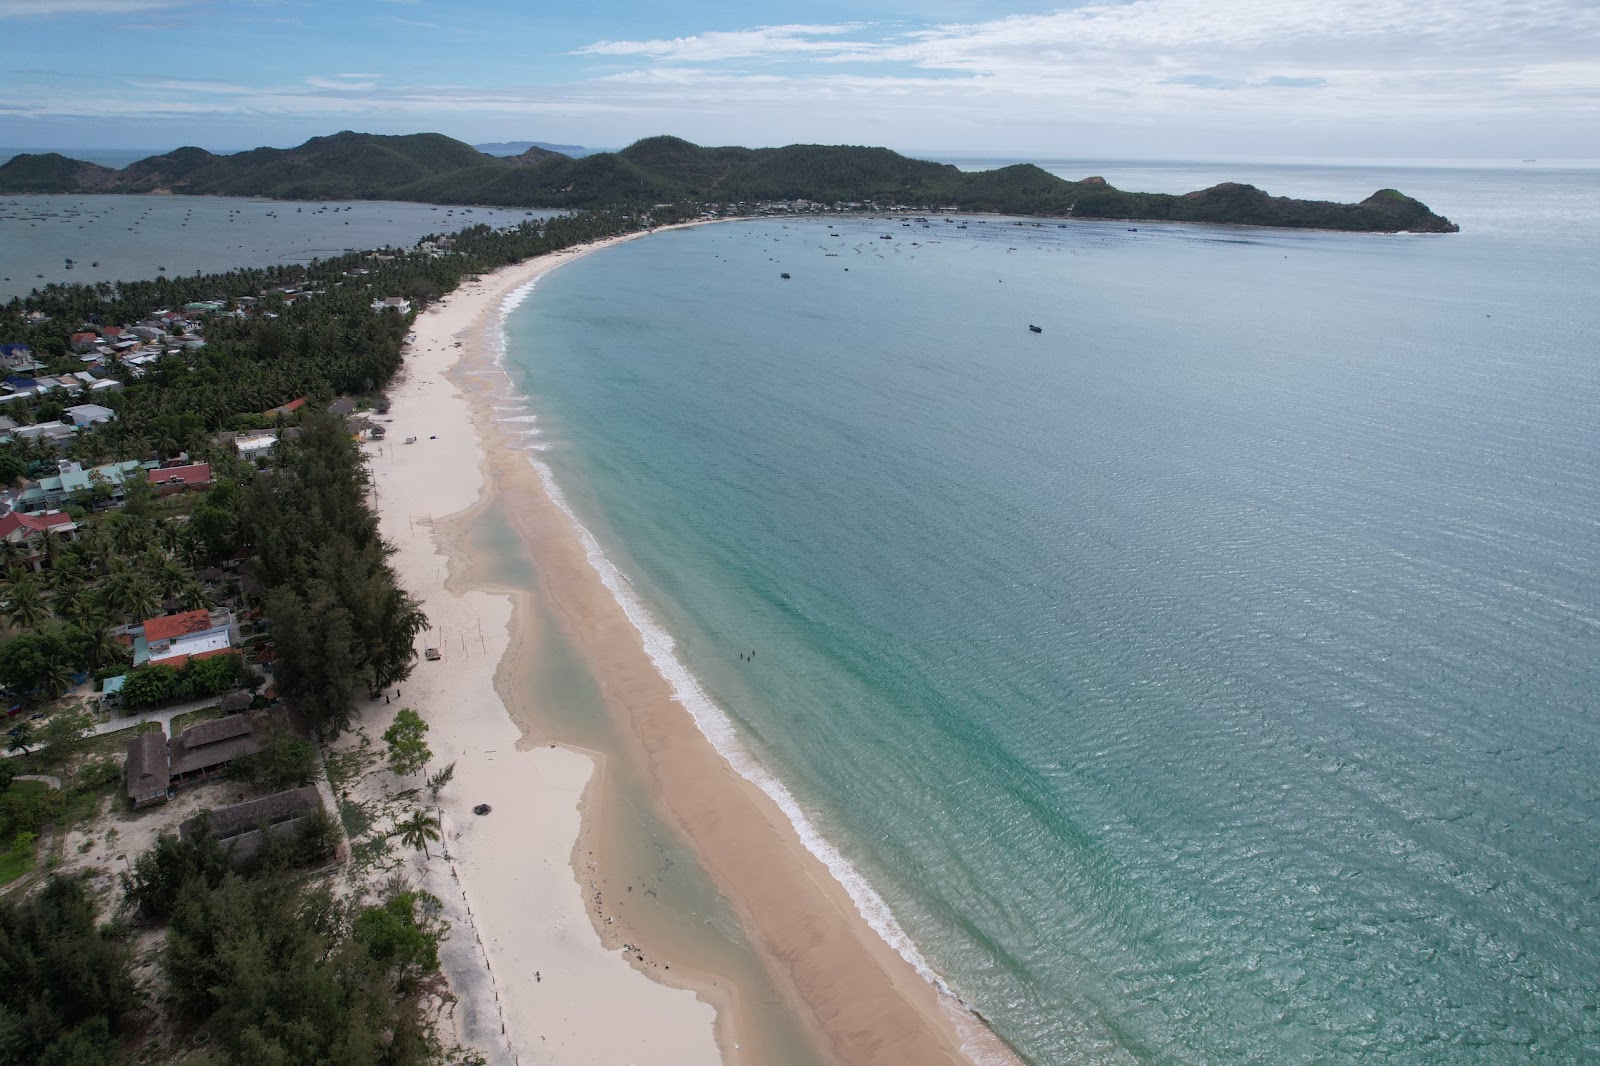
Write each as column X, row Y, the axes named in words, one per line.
column 536, row 960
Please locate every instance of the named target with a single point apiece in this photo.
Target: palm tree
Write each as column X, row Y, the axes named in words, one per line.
column 21, row 738
column 104, row 647
column 57, row 677
column 26, row 608
column 416, row 831
column 192, row 595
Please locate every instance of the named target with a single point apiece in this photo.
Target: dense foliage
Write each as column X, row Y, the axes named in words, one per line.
column 341, row 623
column 65, row 983
column 283, row 973
column 435, row 169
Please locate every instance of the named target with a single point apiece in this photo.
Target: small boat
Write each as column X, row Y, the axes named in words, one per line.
column 431, row 654
column 783, row 276
column 1034, row 329
column 95, row 263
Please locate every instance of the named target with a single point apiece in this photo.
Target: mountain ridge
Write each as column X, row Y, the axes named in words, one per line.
column 433, row 168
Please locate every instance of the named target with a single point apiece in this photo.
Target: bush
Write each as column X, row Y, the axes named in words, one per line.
column 284, row 761
column 98, row 773
column 28, row 806
column 150, row 685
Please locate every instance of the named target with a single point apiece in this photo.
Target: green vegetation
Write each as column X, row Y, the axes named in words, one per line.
column 281, row 972
column 416, row 831
column 65, row 983
column 284, row 761
column 155, row 684
column 408, row 750
column 435, row 169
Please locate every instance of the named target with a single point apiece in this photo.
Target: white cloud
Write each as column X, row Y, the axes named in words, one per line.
column 49, row 8
column 742, row 44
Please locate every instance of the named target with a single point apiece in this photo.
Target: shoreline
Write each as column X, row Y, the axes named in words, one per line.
column 859, row 996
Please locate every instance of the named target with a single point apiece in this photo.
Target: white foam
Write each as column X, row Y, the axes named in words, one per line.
column 719, row 729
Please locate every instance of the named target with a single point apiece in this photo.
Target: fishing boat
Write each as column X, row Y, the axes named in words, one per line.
column 1034, row 329
column 783, row 275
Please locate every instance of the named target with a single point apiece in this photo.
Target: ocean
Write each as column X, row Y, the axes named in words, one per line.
column 133, row 238
column 1209, row 677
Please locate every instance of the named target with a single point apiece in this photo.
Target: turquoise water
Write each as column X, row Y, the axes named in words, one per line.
column 1207, row 678
column 132, row 238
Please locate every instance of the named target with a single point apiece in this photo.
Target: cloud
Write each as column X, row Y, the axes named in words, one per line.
column 56, row 8
column 742, row 44
column 1394, row 59
column 345, row 82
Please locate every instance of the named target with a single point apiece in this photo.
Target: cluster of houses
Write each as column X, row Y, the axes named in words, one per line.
column 35, row 511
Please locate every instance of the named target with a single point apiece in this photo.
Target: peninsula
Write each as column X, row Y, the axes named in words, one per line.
column 433, row 168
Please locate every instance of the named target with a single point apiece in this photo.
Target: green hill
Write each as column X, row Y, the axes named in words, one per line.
column 436, row 169
column 53, row 172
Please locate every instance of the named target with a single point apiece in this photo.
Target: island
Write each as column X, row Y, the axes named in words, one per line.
column 433, row 168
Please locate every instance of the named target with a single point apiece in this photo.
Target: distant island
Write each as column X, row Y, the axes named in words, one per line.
column 518, row 147
column 433, row 168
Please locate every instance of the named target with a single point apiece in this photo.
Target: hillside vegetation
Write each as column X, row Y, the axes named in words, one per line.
column 432, row 168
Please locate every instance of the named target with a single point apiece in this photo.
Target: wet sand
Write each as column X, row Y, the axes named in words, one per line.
column 857, row 998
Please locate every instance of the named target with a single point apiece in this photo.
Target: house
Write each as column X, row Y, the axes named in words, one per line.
column 52, row 433
column 101, row 386
column 206, row 748
column 344, row 407
column 19, row 385
column 172, row 479
column 71, row 480
column 17, row 357
column 253, row 447
column 175, row 639
column 89, row 414
column 242, row 828
column 149, row 774
column 393, row 303
column 286, row 409
column 28, row 533
column 84, row 342
column 111, row 692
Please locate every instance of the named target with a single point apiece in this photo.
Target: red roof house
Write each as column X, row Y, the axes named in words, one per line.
column 29, row 530
column 170, row 626
column 82, row 342
column 170, row 479
column 289, row 408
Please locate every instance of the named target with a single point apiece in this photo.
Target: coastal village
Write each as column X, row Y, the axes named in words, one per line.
column 138, row 665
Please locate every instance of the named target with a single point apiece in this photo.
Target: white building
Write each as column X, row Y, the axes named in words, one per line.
column 88, row 414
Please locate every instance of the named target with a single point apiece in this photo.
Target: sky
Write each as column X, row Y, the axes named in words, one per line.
column 1154, row 79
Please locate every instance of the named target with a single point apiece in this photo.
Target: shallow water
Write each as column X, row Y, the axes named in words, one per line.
column 132, row 238
column 1207, row 678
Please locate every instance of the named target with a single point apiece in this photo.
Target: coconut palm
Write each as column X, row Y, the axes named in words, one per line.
column 192, row 595
column 25, row 607
column 416, row 831
column 57, row 677
column 104, row 647
column 21, row 738
column 131, row 595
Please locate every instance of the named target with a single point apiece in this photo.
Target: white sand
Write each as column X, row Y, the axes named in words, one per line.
column 524, row 954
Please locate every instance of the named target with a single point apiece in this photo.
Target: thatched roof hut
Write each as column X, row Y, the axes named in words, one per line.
column 149, row 779
column 211, row 745
column 272, row 810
